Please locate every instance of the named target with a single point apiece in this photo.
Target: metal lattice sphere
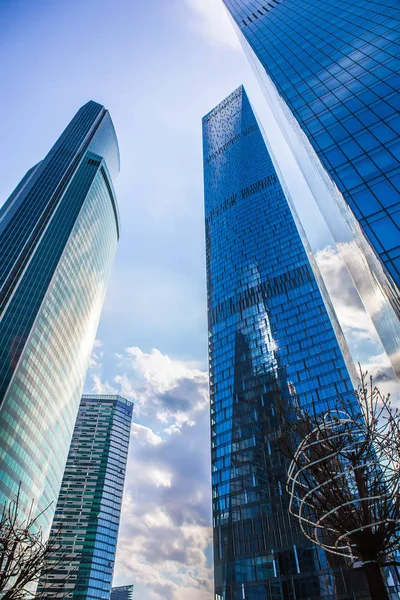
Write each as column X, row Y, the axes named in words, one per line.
column 343, row 480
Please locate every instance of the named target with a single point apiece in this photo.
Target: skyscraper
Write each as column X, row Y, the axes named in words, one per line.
column 268, row 326
column 88, row 510
column 58, row 234
column 124, row 592
column 335, row 63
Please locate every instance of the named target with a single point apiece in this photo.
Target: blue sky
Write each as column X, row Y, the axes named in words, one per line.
column 158, row 66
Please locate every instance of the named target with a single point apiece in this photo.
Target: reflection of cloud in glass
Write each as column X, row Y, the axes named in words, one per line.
column 304, row 167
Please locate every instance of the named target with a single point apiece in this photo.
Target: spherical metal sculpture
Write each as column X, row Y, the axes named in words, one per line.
column 344, row 480
column 312, row 488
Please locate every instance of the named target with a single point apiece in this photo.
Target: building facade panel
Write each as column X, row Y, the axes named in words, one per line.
column 88, row 509
column 333, row 66
column 336, row 63
column 269, row 328
column 124, row 592
column 50, row 315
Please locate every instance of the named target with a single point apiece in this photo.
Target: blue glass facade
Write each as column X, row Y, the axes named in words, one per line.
column 88, row 510
column 58, row 235
column 335, row 63
column 268, row 326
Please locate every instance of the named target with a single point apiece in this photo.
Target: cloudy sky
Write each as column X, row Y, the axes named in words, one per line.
column 158, row 66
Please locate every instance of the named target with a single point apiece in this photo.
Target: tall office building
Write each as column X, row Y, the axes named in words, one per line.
column 58, row 234
column 268, row 326
column 124, row 592
column 88, row 510
column 335, row 64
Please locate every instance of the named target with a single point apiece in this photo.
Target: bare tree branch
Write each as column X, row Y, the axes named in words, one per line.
column 24, row 551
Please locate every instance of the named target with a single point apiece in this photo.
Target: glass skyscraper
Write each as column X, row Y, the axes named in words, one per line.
column 270, row 324
column 88, row 510
column 124, row 592
column 336, row 63
column 58, row 235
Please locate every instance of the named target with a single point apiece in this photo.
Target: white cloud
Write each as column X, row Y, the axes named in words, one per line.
column 357, row 326
column 100, row 387
column 165, row 532
column 144, row 435
column 210, row 18
column 97, row 355
column 381, row 370
column 160, row 371
column 167, row 391
column 353, row 318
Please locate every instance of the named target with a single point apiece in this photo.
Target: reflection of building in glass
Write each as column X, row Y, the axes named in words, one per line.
column 88, row 510
column 268, row 327
column 335, row 64
column 124, row 592
column 58, row 235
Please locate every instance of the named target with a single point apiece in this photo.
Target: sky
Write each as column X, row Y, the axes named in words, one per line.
column 158, row 66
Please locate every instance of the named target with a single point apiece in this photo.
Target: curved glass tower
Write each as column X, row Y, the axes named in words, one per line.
column 58, row 235
column 334, row 65
column 269, row 326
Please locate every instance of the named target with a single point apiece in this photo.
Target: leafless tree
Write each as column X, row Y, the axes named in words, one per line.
column 23, row 551
column 344, row 477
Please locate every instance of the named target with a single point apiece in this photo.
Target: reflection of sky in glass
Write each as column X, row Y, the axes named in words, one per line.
column 344, row 94
column 268, row 327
